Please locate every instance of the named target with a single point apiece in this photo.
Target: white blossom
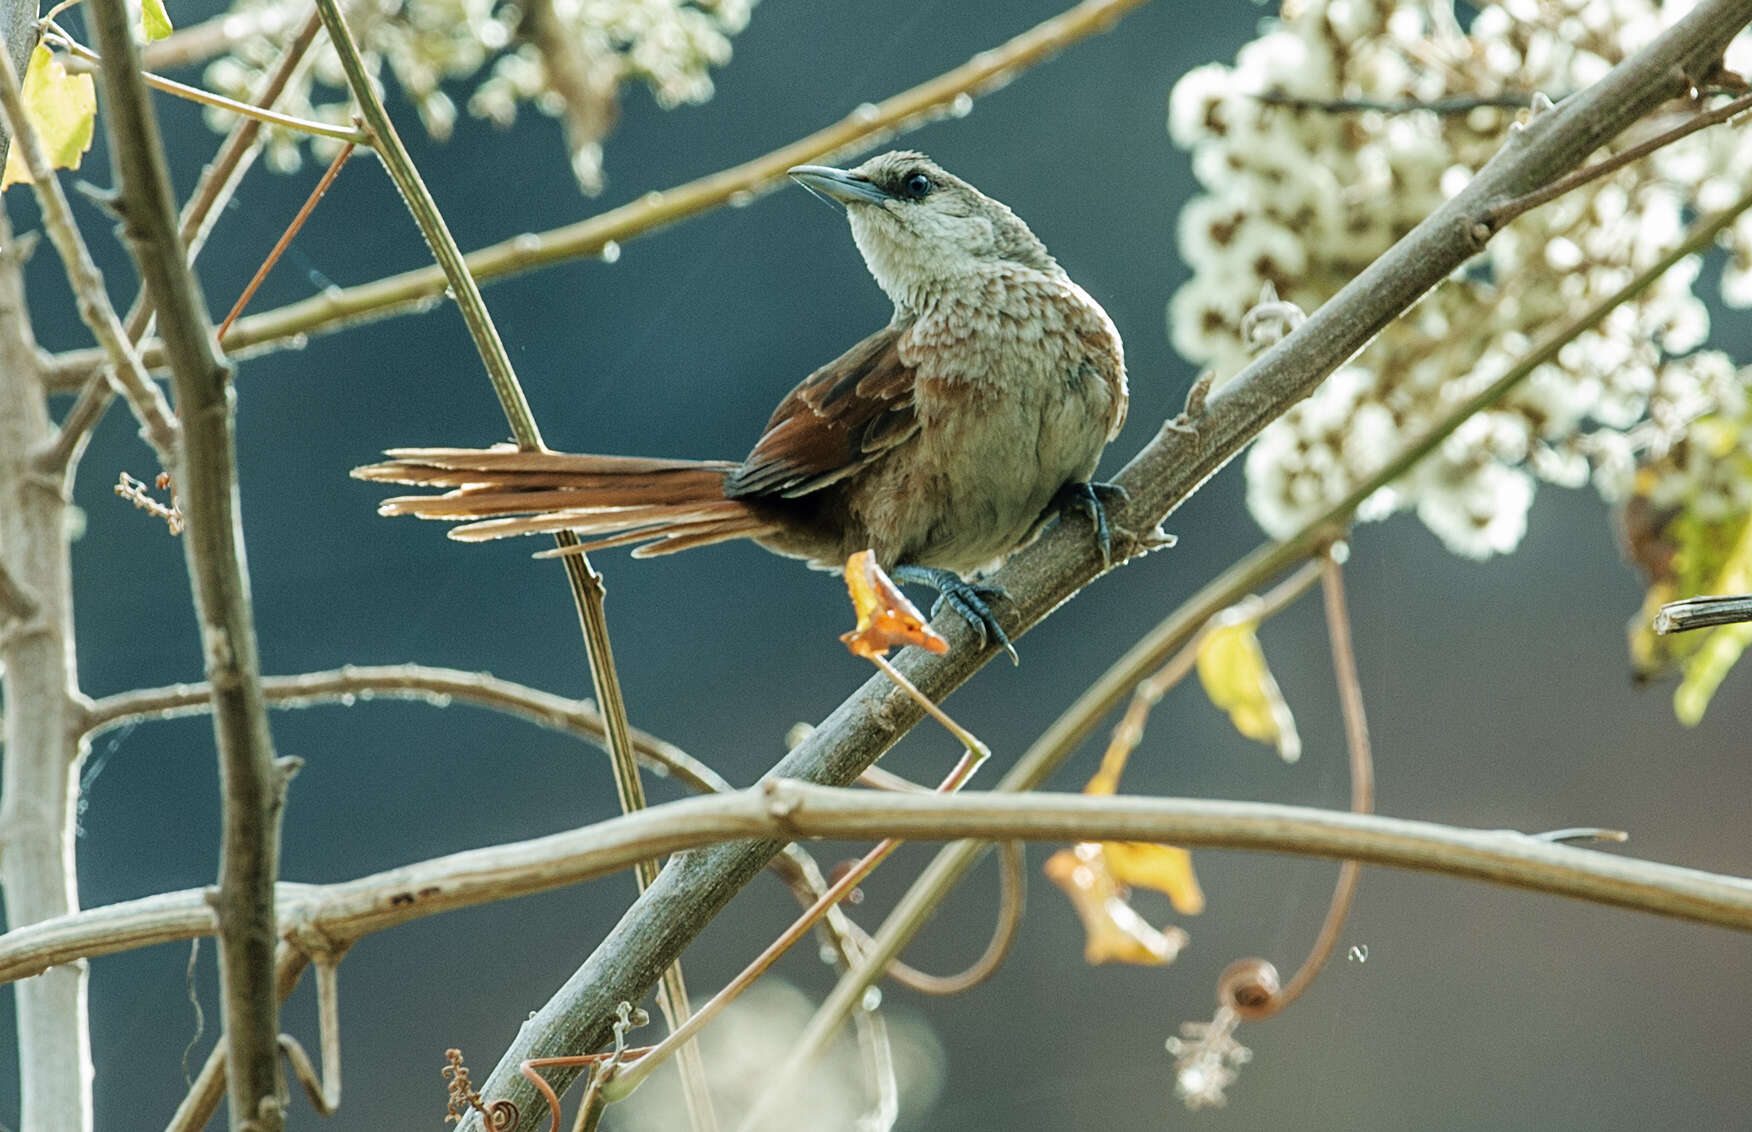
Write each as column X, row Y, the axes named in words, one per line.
column 670, row 45
column 1304, row 195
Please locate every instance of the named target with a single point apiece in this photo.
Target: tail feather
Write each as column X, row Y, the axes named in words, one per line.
column 500, row 492
column 593, row 521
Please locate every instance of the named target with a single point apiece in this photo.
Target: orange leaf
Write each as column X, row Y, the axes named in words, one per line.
column 885, row 617
column 1115, row 931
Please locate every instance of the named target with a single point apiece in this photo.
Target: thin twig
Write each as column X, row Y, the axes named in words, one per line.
column 1129, row 731
column 206, row 480
column 285, row 240
column 1509, row 209
column 782, row 809
column 218, row 181
column 1362, row 779
column 322, row 1090
column 426, row 683
column 207, row 98
column 863, row 127
column 157, row 423
column 1703, row 612
column 585, row 583
column 1444, row 107
column 967, row 738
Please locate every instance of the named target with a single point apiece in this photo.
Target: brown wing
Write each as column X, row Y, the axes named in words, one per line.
column 842, row 417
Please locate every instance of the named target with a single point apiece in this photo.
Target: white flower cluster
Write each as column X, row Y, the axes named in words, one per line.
column 669, row 44
column 1340, row 128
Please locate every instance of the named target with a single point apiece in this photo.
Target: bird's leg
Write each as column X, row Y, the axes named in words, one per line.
column 970, row 599
column 1092, row 499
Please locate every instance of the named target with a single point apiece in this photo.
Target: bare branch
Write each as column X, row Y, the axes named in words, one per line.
column 435, row 686
column 781, row 809
column 694, row 887
column 38, row 682
column 1362, row 788
column 207, row 482
column 322, row 1090
column 260, row 113
column 866, row 126
column 1510, row 209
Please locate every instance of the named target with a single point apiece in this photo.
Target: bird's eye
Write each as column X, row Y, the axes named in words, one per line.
column 917, row 186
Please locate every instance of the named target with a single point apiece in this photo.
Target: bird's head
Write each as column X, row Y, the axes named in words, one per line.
column 922, row 229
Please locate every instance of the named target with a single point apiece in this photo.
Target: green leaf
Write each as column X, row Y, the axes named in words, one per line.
column 62, row 107
column 155, row 19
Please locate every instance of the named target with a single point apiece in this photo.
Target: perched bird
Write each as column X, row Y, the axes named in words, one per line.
column 943, row 442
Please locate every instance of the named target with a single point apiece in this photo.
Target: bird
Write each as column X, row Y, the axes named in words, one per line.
column 943, row 442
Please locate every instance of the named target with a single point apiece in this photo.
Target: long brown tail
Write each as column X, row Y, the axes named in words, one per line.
column 668, row 505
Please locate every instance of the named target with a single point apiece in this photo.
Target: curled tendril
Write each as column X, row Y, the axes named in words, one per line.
column 502, row 1116
column 1249, row 987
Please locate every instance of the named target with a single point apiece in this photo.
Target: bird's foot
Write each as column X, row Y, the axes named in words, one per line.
column 1092, row 499
column 970, row 599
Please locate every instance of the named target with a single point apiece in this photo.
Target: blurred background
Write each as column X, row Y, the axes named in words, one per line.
column 1498, row 694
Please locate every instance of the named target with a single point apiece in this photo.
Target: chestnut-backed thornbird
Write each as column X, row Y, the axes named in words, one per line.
column 943, row 442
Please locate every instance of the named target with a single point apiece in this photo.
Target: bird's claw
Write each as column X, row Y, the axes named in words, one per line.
column 1092, row 499
column 970, row 599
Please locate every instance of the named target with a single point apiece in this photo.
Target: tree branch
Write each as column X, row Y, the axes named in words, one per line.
column 435, row 686
column 785, row 810
column 206, row 480
column 866, row 126
column 696, row 886
column 38, row 681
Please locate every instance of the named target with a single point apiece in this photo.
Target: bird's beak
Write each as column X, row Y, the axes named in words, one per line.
column 832, row 184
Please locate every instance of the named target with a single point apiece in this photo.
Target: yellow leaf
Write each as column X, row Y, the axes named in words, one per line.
column 155, row 19
column 1708, row 666
column 1114, row 932
column 1232, row 668
column 62, row 107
